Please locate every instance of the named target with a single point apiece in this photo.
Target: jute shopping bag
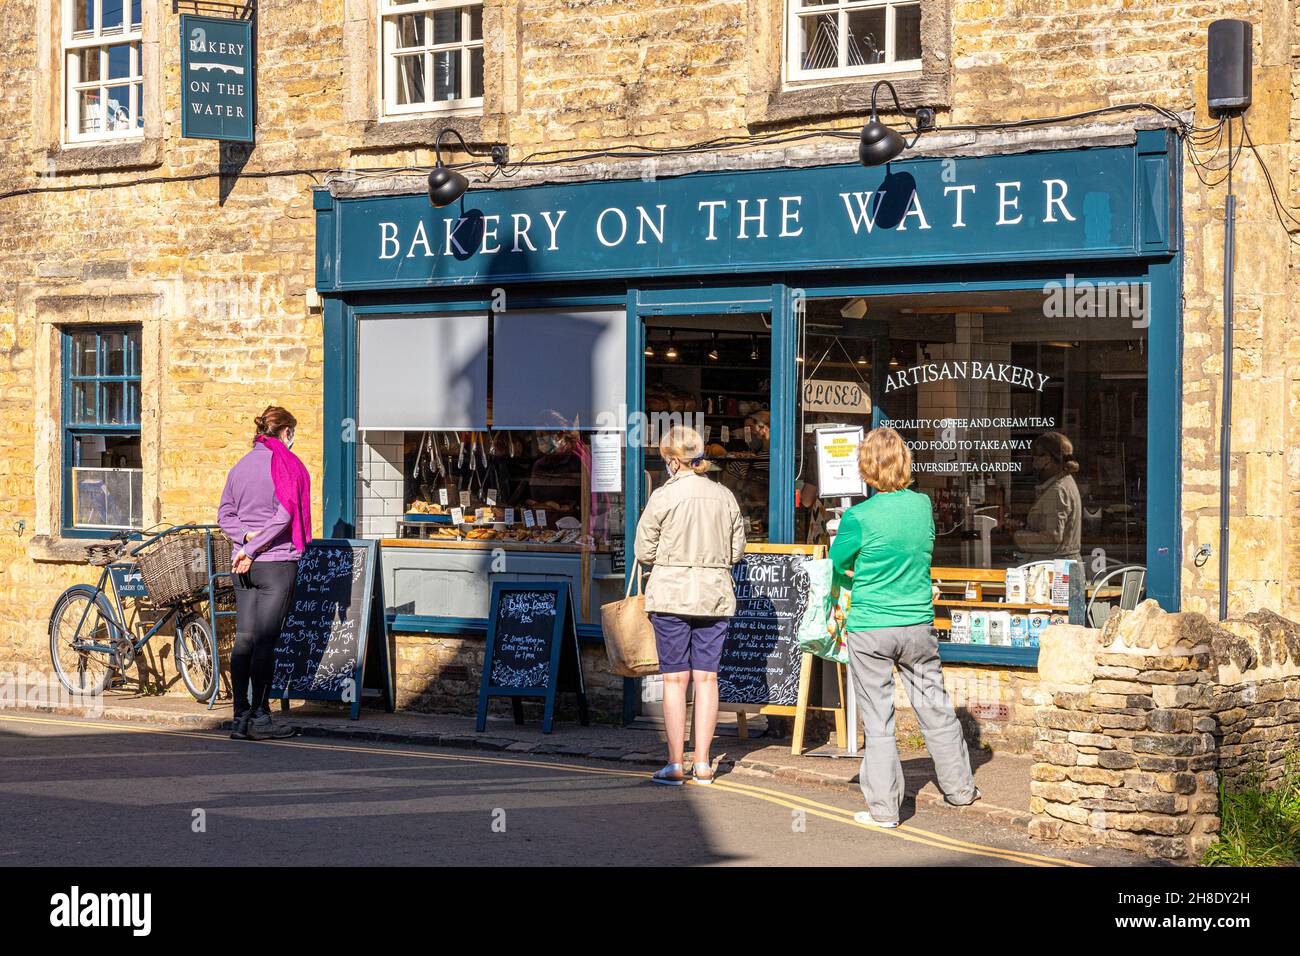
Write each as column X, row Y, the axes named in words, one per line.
column 629, row 637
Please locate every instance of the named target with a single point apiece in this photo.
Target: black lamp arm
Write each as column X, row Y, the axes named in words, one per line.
column 923, row 115
column 499, row 153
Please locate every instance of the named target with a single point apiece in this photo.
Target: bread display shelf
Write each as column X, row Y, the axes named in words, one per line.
column 486, row 544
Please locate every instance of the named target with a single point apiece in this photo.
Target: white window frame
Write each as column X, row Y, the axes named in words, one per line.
column 797, row 10
column 389, row 11
column 75, row 43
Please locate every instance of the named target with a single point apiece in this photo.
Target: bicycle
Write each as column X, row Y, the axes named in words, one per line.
column 90, row 638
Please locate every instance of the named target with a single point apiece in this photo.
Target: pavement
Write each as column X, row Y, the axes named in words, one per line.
column 1003, row 778
column 111, row 792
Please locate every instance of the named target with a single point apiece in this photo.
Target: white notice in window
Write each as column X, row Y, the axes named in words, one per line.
column 606, row 463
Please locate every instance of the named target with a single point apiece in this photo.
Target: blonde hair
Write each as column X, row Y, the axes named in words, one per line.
column 884, row 460
column 685, row 445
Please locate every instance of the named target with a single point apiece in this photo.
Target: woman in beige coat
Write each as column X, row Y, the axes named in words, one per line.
column 691, row 534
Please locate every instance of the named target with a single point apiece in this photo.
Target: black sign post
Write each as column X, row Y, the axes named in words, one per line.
column 334, row 644
column 532, row 649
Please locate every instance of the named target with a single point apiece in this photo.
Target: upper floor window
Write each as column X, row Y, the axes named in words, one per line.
column 101, row 429
column 844, row 38
column 103, row 75
column 431, row 54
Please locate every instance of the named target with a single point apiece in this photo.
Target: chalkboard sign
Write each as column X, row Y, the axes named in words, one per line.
column 532, row 648
column 335, row 635
column 761, row 658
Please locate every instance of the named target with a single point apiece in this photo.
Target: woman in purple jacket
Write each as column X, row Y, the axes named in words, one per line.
column 266, row 512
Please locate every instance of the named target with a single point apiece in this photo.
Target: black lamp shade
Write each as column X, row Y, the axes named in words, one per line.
column 879, row 144
column 446, row 186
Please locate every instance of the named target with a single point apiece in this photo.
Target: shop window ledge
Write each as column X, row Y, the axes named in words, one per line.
column 468, row 626
column 988, row 654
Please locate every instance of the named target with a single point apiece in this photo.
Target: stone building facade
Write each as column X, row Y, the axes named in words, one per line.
column 208, row 249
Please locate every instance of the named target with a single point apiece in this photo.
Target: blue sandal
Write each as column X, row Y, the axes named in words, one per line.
column 670, row 775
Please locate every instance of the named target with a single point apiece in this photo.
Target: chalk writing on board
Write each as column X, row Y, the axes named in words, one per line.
column 320, row 642
column 761, row 658
column 521, row 654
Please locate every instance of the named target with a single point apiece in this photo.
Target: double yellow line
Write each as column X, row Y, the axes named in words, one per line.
column 727, row 784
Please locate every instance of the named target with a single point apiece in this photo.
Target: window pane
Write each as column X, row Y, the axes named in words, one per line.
column 133, row 352
column 82, row 411
column 115, row 358
column 106, row 451
column 447, row 25
column 476, row 72
column 90, row 112
column 112, row 396
column 133, row 402
column 139, row 106
column 446, row 75
column 820, row 42
column 106, row 498
column 410, row 30
column 119, row 61
column 410, row 79
column 83, row 17
column 907, row 32
column 88, row 70
column 476, row 23
column 866, row 37
column 112, row 14
column 135, row 13
column 118, row 108
column 83, row 353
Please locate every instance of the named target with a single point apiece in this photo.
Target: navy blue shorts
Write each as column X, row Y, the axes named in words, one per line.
column 689, row 643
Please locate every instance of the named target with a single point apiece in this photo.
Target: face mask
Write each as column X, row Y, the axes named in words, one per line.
column 668, row 467
column 755, row 442
column 289, row 443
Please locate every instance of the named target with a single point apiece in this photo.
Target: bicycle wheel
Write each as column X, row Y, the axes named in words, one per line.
column 82, row 670
column 196, row 657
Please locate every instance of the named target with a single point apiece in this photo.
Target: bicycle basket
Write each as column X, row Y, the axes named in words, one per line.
column 175, row 567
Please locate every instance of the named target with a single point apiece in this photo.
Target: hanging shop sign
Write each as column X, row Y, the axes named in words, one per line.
column 836, row 398
column 1055, row 204
column 218, row 78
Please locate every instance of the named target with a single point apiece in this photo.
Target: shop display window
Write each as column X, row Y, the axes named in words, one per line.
column 1028, row 427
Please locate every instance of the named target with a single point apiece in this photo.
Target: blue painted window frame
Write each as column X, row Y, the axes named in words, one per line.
column 70, row 429
column 778, row 298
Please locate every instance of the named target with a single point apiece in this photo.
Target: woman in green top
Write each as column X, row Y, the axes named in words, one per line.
column 884, row 545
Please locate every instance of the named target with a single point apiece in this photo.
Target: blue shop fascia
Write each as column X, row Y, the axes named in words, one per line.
column 497, row 371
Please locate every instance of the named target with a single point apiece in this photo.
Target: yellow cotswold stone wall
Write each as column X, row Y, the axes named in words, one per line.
column 216, row 268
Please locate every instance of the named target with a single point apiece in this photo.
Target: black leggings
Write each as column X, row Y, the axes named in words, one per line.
column 261, row 601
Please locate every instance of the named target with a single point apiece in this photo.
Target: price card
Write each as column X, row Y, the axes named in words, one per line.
column 464, row 499
column 442, row 497
column 749, row 434
column 708, row 430
column 510, row 517
column 529, row 520
column 457, row 516
column 485, row 515
column 490, row 496
column 726, row 434
column 541, row 517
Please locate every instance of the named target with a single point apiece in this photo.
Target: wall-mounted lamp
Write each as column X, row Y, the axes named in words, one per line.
column 445, row 184
column 879, row 144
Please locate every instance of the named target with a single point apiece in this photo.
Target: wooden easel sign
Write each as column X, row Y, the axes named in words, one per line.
column 335, row 635
column 531, row 650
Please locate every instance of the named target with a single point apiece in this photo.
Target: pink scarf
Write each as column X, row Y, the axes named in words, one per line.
column 292, row 488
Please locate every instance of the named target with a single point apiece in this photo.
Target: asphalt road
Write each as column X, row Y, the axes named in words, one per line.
column 86, row 793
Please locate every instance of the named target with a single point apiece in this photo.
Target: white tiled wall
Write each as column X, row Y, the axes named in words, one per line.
column 379, row 484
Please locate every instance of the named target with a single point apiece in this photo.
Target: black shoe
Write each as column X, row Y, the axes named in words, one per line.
column 261, row 728
column 239, row 726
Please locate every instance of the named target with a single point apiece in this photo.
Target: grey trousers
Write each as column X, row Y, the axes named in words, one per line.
column 872, row 658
